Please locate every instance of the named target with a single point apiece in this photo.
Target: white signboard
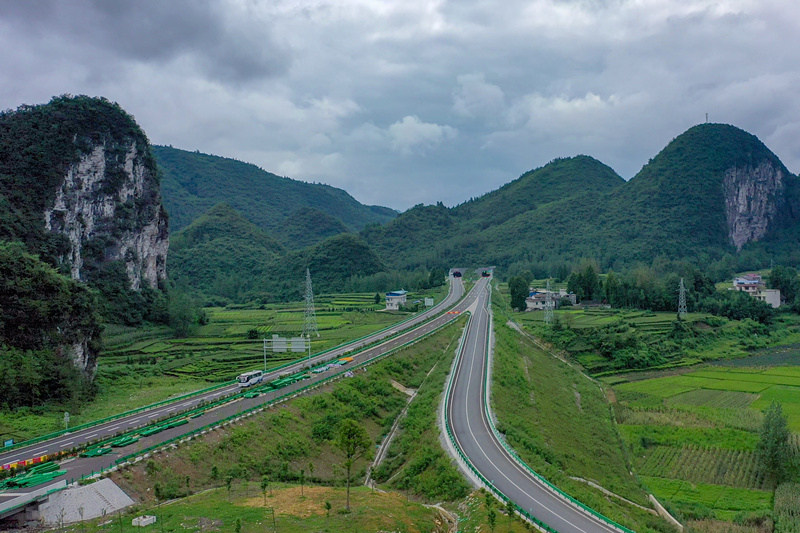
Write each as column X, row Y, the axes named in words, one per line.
column 278, row 344
column 298, row 344
column 428, row 302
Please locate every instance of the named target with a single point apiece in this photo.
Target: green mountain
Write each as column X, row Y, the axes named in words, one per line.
column 192, row 183
column 562, row 178
column 466, row 234
column 222, row 253
column 715, row 193
column 308, row 226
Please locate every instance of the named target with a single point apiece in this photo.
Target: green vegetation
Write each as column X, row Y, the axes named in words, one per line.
column 141, row 365
column 558, row 421
column 786, row 510
column 694, row 437
column 609, row 341
column 672, row 209
column 774, row 453
column 282, row 509
column 415, row 460
column 282, row 441
column 43, row 316
column 354, row 442
column 192, row 184
column 38, row 144
column 223, row 257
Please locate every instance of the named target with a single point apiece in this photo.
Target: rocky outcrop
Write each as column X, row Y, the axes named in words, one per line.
column 109, row 208
column 753, row 198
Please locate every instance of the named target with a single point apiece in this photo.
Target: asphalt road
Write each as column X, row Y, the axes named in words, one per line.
column 468, row 422
column 78, row 467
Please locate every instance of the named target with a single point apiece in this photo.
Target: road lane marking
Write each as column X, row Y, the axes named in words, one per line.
column 475, row 335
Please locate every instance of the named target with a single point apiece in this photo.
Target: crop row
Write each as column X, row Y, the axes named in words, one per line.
column 734, row 468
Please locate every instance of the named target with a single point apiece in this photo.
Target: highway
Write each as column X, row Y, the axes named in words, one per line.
column 394, row 337
column 468, row 422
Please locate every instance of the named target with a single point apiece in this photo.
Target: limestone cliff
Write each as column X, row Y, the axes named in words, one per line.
column 80, row 189
column 109, row 209
column 753, row 198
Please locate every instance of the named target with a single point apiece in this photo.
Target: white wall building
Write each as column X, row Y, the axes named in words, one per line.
column 395, row 299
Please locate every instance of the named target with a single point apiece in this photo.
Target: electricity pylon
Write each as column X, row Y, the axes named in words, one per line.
column 682, row 301
column 549, row 304
column 310, row 316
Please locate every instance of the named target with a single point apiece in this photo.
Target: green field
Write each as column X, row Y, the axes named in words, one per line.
column 607, row 342
column 140, row 366
column 693, row 436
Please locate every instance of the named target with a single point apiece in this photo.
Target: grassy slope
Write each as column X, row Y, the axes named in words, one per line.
column 282, row 441
column 559, row 422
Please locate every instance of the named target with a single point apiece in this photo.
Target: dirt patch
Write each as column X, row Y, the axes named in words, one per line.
column 612, row 398
column 289, row 502
column 402, row 388
column 577, row 397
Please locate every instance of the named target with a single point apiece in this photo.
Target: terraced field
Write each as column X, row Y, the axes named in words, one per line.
column 693, row 436
column 139, row 366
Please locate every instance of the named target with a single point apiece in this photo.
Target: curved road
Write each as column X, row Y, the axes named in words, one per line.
column 467, row 418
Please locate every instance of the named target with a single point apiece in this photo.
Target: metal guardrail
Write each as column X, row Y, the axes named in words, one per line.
column 100, row 421
column 139, row 453
column 512, row 453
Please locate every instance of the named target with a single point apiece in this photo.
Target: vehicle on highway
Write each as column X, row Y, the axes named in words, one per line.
column 247, row 379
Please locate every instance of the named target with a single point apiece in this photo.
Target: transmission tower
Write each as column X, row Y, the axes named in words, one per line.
column 310, row 316
column 682, row 301
column 549, row 304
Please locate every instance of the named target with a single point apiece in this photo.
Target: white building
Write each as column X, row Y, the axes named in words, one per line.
column 538, row 297
column 395, row 299
column 753, row 285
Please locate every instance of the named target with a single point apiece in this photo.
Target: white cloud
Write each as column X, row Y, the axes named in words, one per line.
column 412, row 135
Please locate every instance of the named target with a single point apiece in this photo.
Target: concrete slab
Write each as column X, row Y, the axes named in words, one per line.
column 83, row 503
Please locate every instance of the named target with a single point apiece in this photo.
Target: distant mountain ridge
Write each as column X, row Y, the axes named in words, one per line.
column 714, row 190
column 193, row 182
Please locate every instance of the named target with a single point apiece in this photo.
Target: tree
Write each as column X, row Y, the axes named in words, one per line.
column 518, row 288
column 377, row 298
column 264, row 485
column 785, row 279
column 354, row 442
column 773, row 446
column 491, row 514
column 182, row 314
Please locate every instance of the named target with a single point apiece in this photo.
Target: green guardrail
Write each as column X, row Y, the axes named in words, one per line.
column 97, row 422
column 466, row 460
column 519, row 460
column 274, row 401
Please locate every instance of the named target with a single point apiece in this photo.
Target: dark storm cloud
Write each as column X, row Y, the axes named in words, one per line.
column 419, row 100
column 158, row 31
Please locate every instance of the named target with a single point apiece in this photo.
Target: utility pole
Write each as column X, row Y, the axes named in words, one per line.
column 682, row 301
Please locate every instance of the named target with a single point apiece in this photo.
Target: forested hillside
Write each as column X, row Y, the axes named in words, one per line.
column 192, row 183
column 712, row 190
column 224, row 257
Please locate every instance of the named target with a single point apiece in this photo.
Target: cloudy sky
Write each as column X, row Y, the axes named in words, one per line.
column 416, row 101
